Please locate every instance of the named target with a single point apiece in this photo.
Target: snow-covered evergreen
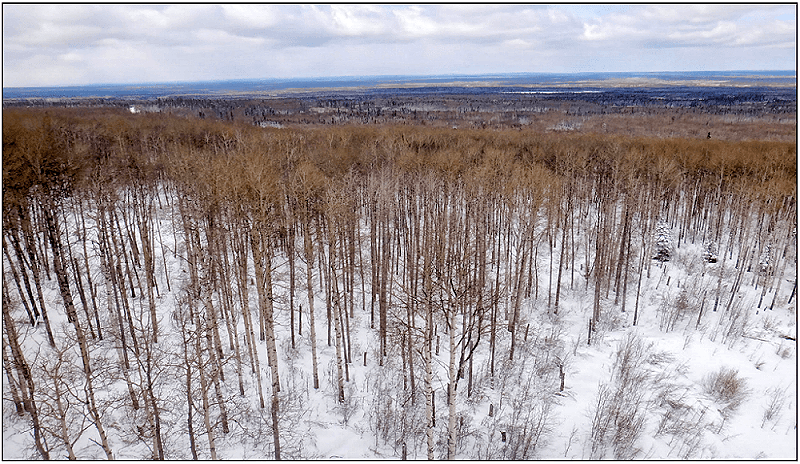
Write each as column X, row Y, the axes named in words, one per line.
column 765, row 261
column 663, row 245
column 710, row 252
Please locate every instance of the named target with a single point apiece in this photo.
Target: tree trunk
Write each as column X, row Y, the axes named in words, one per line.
column 384, row 278
column 290, row 253
column 428, row 348
column 106, row 266
column 15, row 275
column 240, row 247
column 264, row 266
column 560, row 264
column 451, row 388
column 309, row 255
column 35, row 268
column 339, row 336
column 187, row 364
column 216, row 362
column 22, row 264
column 203, row 385
column 12, row 383
column 143, row 220
column 24, row 373
column 72, row 316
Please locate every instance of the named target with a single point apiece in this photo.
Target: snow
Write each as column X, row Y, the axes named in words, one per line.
column 314, row 426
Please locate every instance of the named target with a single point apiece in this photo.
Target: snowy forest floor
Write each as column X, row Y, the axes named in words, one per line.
column 643, row 391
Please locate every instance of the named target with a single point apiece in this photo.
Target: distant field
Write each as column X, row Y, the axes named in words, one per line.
column 488, row 83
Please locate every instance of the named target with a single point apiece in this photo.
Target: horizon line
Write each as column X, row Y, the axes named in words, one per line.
column 395, row 76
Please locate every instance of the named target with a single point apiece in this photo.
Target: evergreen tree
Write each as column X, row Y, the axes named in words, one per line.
column 663, row 247
column 710, row 252
column 765, row 261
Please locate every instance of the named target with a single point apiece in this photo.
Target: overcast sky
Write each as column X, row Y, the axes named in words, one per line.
column 58, row 44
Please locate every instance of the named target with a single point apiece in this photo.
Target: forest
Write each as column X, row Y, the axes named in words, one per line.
column 186, row 288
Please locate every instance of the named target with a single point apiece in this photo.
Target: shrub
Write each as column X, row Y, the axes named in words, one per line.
column 736, row 323
column 619, row 415
column 726, row 388
column 684, row 423
column 776, row 398
column 671, row 312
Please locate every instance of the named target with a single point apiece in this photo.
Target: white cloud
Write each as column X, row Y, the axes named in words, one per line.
column 70, row 44
column 251, row 16
column 693, row 26
column 518, row 43
column 358, row 20
column 414, row 23
column 71, row 57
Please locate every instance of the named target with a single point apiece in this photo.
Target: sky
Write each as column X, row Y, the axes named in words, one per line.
column 71, row 44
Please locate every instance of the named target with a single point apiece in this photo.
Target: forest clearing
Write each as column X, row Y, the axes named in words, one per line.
column 184, row 288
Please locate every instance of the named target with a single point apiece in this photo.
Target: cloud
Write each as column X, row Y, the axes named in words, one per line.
column 671, row 26
column 60, row 44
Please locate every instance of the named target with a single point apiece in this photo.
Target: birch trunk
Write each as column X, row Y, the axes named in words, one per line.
column 451, row 388
column 72, row 316
column 24, row 371
column 309, row 255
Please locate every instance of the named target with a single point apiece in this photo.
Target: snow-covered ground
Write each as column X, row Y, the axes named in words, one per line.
column 679, row 416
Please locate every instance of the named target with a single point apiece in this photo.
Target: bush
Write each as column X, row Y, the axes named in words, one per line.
column 736, row 323
column 776, row 398
column 620, row 413
column 726, row 388
column 685, row 424
column 671, row 312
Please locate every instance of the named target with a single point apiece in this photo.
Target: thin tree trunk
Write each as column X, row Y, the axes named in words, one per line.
column 22, row 264
column 143, row 219
column 24, row 374
column 190, row 403
column 512, row 325
column 36, row 270
column 61, row 412
column 72, row 316
column 621, row 259
column 12, row 383
column 290, row 253
column 114, row 311
column 216, row 363
column 309, row 255
column 22, row 298
column 428, row 348
column 264, row 267
column 339, row 336
column 451, row 388
column 204, row 387
column 560, row 265
column 374, row 263
column 384, row 278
